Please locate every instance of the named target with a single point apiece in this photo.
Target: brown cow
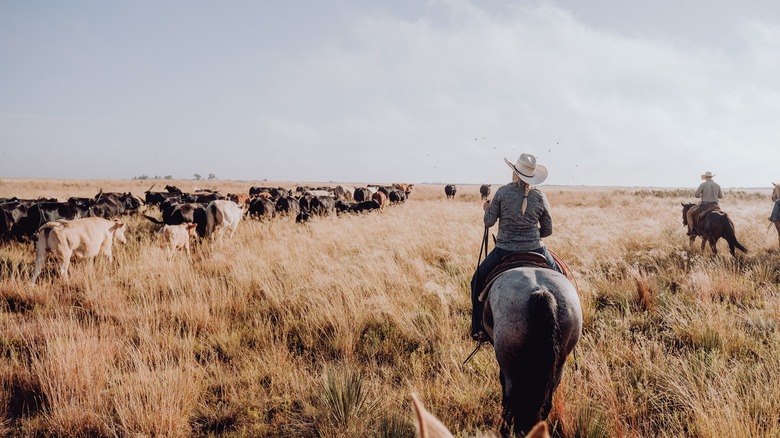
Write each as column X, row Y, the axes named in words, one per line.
column 406, row 188
column 239, row 198
column 380, row 198
column 80, row 238
column 176, row 237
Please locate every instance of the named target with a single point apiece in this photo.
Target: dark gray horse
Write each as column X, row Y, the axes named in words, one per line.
column 534, row 317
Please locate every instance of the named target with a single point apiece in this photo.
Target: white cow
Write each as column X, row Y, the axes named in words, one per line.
column 176, row 237
column 80, row 238
column 316, row 193
column 344, row 193
column 222, row 216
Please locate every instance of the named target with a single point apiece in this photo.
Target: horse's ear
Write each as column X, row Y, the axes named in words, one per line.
column 426, row 424
column 539, row 431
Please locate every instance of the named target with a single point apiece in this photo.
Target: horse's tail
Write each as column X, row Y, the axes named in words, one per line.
column 540, row 362
column 730, row 235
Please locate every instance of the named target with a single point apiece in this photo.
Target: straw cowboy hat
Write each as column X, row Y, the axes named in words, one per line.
column 707, row 175
column 527, row 170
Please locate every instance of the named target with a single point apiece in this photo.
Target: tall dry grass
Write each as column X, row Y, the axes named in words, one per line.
column 322, row 329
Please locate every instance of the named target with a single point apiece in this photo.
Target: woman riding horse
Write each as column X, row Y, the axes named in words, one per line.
column 532, row 314
column 524, row 219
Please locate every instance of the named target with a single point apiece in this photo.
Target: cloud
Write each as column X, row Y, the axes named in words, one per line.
column 442, row 91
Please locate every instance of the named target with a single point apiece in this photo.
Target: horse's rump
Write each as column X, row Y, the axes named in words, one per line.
column 534, row 318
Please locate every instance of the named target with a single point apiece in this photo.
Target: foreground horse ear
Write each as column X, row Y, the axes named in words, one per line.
column 427, row 425
column 539, row 431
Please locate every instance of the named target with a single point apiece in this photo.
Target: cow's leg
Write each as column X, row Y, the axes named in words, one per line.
column 691, row 238
column 40, row 258
column 187, row 248
column 66, row 255
column 703, row 242
column 714, row 247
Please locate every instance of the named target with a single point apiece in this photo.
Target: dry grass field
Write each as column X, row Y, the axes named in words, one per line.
column 324, row 329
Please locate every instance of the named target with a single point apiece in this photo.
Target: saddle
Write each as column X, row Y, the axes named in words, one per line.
column 523, row 260
column 700, row 212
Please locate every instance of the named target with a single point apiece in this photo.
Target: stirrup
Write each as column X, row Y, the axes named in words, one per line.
column 480, row 336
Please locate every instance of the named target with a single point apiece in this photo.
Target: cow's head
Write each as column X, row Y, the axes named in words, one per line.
column 192, row 230
column 119, row 232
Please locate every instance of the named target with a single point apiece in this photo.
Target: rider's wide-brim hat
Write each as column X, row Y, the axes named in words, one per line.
column 527, row 170
column 707, row 174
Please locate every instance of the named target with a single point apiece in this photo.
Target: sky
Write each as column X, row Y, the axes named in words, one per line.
column 602, row 92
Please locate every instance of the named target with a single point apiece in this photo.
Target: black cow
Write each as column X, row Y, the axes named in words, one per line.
column 157, row 198
column 42, row 212
column 343, row 206
column 202, row 197
column 364, row 206
column 173, row 189
column 396, row 196
column 484, row 190
column 450, row 191
column 262, row 208
column 6, row 223
column 275, row 192
column 287, row 205
column 190, row 213
column 361, row 194
column 322, row 205
column 127, row 203
column 304, row 202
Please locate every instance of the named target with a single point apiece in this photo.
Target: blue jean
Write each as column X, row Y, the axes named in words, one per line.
column 492, row 260
column 775, row 212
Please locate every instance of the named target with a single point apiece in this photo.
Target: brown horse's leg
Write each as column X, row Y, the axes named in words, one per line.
column 777, row 225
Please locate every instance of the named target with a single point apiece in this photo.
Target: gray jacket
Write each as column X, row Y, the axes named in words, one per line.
column 709, row 191
column 518, row 232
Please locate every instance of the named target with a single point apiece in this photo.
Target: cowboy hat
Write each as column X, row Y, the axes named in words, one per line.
column 707, row 174
column 527, row 170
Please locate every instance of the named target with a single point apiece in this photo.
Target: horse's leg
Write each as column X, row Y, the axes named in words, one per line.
column 506, row 409
column 777, row 226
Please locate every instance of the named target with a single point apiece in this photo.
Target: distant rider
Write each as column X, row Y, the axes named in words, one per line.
column 709, row 192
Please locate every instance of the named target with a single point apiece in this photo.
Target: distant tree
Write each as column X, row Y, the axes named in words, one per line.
column 197, row 176
column 212, row 176
column 168, row 176
column 142, row 177
column 157, row 177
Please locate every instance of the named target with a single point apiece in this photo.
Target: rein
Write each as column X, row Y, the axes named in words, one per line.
column 483, row 248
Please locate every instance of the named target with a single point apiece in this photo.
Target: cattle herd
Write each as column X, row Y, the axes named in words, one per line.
column 20, row 219
column 85, row 227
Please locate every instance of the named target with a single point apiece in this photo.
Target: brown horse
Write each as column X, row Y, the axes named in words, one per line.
column 428, row 426
column 775, row 197
column 711, row 227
